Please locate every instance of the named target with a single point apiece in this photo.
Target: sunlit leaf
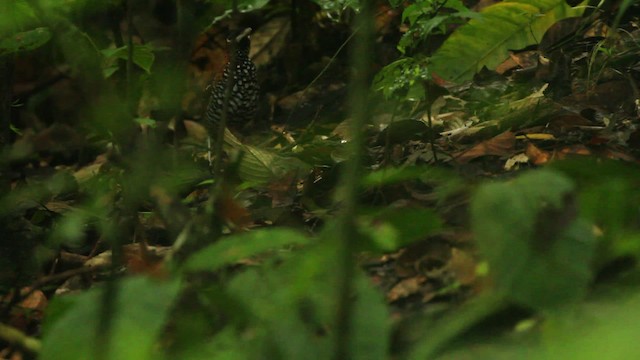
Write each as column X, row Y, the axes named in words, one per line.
column 505, row 26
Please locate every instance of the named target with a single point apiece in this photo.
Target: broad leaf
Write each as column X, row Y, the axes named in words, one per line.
column 538, row 250
column 25, row 41
column 140, row 311
column 237, row 247
column 259, row 166
column 486, row 41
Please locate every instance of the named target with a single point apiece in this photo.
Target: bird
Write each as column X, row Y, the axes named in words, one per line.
column 243, row 101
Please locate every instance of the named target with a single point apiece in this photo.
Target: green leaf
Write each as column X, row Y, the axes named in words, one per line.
column 392, row 228
column 143, row 56
column 259, row 166
column 402, row 77
column 140, row 312
column 243, row 7
column 291, row 303
column 242, row 246
column 389, row 176
column 486, row 41
column 370, row 324
column 538, row 251
column 146, row 121
column 25, row 41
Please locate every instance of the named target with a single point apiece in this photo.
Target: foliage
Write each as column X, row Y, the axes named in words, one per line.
column 505, row 26
column 546, row 261
column 431, row 17
column 136, row 324
column 274, row 292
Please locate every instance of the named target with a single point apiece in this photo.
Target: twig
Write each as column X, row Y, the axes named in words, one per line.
column 19, row 339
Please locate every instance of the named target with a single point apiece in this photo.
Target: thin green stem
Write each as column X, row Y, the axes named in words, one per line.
column 346, row 235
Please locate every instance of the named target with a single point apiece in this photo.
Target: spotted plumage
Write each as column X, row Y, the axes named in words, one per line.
column 244, row 93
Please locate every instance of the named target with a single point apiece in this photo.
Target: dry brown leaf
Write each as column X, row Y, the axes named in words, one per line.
column 196, row 131
column 269, row 40
column 405, row 288
column 562, row 123
column 462, row 266
column 573, row 150
column 232, row 212
column 536, row 155
column 499, row 145
column 88, row 172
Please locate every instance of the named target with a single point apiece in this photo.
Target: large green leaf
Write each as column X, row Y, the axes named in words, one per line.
column 294, row 302
column 390, row 228
column 486, row 41
column 141, row 309
column 143, row 56
column 24, row 41
column 259, row 165
column 237, row 247
column 538, row 249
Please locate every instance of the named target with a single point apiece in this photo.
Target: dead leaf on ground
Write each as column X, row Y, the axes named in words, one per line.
column 86, row 173
column 462, row 266
column 196, row 131
column 27, row 310
column 536, row 155
column 514, row 161
column 406, row 288
column 565, row 122
column 233, row 212
column 573, row 150
column 500, row 145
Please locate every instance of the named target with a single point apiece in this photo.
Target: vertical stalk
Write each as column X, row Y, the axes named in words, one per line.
column 217, row 150
column 6, row 77
column 346, row 235
column 6, row 95
column 130, row 86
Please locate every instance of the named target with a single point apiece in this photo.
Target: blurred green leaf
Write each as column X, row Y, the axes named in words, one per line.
column 243, row 7
column 242, row 246
column 391, row 228
column 538, row 250
column 25, row 41
column 290, row 303
column 371, row 326
column 146, row 121
column 140, row 312
column 389, row 175
column 143, row 56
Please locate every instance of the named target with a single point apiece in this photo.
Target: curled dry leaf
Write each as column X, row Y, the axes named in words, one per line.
column 537, row 155
column 499, row 145
column 406, row 288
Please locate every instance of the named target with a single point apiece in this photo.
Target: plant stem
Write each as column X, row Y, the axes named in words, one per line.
column 346, row 235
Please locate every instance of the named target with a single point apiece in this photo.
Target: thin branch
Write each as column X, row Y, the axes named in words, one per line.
column 19, row 339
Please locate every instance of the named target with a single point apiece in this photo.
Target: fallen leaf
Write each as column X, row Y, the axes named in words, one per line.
column 536, row 155
column 499, row 145
column 406, row 288
column 515, row 160
column 462, row 266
